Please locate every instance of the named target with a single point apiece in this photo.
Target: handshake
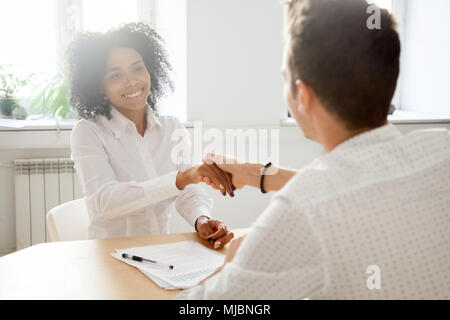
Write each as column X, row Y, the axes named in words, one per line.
column 222, row 173
column 227, row 175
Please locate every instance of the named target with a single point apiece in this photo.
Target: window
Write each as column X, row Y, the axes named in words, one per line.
column 27, row 30
column 35, row 35
column 425, row 64
column 171, row 23
column 118, row 11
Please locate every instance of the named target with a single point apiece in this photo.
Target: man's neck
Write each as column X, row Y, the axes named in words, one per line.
column 336, row 133
column 335, row 140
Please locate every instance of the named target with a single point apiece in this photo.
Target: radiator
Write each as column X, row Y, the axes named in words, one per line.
column 40, row 185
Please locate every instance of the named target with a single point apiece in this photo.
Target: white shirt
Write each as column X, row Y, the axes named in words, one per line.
column 129, row 180
column 379, row 200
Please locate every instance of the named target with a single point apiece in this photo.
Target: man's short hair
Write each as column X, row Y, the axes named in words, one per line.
column 352, row 69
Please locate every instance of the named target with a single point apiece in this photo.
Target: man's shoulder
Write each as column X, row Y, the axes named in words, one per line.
column 426, row 148
column 337, row 173
column 310, row 184
column 437, row 135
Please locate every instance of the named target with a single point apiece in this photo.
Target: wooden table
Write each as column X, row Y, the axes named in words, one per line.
column 84, row 270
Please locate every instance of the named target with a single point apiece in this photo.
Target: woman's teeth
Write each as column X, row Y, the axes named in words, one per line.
column 133, row 95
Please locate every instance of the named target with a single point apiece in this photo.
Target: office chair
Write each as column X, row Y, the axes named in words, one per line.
column 68, row 221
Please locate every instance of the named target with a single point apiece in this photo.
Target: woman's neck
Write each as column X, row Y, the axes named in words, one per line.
column 139, row 118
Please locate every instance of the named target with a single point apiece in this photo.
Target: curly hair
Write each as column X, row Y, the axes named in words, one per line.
column 87, row 56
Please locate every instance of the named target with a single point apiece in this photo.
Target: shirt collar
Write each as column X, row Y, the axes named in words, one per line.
column 385, row 133
column 119, row 123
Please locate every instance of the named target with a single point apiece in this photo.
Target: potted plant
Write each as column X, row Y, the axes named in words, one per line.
column 53, row 99
column 9, row 83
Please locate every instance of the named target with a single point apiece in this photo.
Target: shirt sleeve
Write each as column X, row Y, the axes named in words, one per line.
column 193, row 201
column 280, row 258
column 111, row 198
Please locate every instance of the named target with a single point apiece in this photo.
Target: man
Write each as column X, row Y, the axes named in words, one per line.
column 370, row 218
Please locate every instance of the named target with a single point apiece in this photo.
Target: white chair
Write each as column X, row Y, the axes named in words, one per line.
column 68, row 221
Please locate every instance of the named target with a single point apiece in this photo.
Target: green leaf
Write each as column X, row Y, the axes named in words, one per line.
column 37, row 99
column 53, row 97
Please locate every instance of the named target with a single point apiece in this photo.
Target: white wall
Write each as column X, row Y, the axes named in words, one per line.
column 234, row 54
column 426, row 57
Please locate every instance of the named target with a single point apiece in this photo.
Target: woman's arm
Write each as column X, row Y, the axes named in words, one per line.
column 112, row 198
column 194, row 204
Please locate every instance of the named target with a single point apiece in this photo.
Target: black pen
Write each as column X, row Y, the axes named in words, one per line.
column 140, row 259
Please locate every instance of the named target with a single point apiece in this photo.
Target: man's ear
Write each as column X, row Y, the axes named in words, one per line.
column 305, row 96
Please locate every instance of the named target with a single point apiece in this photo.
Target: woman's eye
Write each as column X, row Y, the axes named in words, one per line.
column 139, row 69
column 114, row 76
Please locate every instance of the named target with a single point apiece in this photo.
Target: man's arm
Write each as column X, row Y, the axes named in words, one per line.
column 249, row 174
column 280, row 258
column 234, row 246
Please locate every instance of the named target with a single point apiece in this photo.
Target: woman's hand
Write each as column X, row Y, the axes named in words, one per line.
column 242, row 173
column 213, row 230
column 197, row 174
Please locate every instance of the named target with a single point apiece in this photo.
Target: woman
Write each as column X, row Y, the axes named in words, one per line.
column 122, row 148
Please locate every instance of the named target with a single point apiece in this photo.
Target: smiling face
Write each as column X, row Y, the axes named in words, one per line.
column 127, row 81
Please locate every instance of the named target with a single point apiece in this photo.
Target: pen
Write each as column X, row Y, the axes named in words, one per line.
column 140, row 259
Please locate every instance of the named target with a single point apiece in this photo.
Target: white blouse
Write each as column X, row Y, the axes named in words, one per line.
column 129, row 180
column 369, row 220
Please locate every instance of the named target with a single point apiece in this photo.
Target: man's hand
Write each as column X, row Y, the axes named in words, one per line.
column 249, row 174
column 214, row 230
column 234, row 246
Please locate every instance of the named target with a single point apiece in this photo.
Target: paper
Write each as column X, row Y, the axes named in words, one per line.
column 192, row 263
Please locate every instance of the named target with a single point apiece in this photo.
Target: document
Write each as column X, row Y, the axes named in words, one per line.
column 191, row 261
